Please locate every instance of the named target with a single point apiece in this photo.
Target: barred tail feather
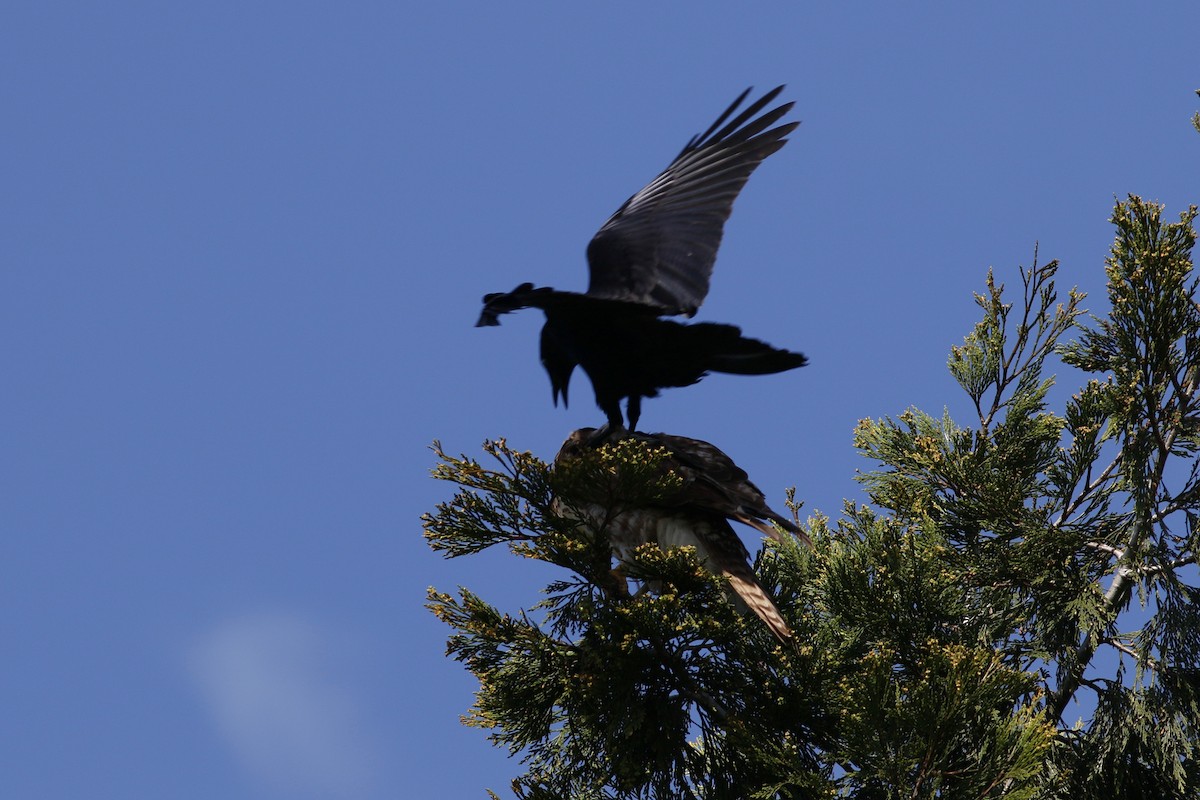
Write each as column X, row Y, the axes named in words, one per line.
column 752, row 594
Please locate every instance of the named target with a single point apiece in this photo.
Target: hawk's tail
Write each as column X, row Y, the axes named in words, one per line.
column 750, row 592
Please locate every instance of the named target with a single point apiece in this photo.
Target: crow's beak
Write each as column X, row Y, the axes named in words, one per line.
column 559, row 390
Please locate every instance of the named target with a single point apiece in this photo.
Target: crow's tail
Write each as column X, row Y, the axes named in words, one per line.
column 729, row 351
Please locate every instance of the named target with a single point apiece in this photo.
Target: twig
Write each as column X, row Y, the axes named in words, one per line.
column 1129, row 651
column 1107, row 548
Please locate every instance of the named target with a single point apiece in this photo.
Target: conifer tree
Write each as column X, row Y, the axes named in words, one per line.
column 1013, row 614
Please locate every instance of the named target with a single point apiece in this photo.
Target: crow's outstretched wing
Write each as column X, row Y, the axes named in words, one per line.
column 659, row 248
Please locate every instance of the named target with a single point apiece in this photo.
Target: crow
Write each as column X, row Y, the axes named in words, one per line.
column 653, row 258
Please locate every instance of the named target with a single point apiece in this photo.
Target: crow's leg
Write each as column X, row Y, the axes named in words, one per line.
column 633, row 410
column 601, row 434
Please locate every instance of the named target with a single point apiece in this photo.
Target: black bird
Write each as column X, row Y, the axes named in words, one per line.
column 653, row 258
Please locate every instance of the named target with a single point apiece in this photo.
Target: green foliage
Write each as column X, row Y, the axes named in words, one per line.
column 1013, row 616
column 671, row 693
column 926, row 703
column 1059, row 520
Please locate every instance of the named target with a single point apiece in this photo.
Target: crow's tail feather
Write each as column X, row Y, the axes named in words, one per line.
column 730, row 352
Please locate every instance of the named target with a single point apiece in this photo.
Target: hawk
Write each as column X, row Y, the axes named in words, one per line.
column 711, row 491
column 652, row 259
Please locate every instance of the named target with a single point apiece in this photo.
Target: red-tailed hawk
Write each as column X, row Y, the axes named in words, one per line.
column 706, row 492
column 653, row 258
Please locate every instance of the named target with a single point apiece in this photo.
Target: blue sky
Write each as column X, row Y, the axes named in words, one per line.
column 243, row 247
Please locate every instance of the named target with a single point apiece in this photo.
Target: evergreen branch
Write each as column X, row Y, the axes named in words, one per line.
column 686, row 684
column 1148, row 661
column 1107, row 548
column 1179, row 503
column 1024, row 357
column 1123, row 580
column 1087, row 648
column 1152, row 309
column 1092, row 486
column 1170, row 566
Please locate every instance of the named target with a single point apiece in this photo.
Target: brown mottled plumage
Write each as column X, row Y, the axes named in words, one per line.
column 712, row 491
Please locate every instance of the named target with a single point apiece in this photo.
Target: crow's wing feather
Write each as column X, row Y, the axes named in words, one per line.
column 659, row 247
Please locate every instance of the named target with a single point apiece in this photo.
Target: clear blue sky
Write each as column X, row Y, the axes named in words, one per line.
column 242, row 248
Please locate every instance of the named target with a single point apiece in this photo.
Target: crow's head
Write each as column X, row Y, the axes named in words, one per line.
column 497, row 303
